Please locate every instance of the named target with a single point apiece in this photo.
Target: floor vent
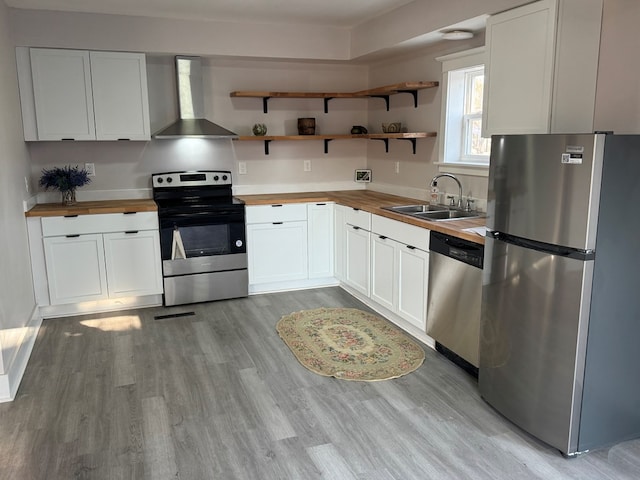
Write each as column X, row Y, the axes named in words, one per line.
column 174, row 315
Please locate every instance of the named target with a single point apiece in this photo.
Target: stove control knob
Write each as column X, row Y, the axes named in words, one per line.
column 160, row 180
column 169, row 179
column 224, row 177
column 238, row 243
column 215, row 178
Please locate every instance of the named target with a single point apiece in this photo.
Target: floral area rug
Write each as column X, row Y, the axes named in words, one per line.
column 349, row 344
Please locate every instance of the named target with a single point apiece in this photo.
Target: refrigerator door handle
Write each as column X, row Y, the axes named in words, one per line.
column 559, row 250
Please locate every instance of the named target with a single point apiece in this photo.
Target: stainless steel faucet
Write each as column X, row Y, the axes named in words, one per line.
column 434, row 183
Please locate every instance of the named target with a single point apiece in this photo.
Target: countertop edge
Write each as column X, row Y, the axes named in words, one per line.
column 372, row 202
column 92, row 208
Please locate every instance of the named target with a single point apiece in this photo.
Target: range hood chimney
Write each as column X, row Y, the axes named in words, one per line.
column 192, row 123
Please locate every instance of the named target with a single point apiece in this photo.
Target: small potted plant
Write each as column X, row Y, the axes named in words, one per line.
column 65, row 179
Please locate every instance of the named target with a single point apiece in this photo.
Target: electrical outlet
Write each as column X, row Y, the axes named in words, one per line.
column 307, row 165
column 91, row 169
column 242, row 168
column 397, row 167
column 26, row 184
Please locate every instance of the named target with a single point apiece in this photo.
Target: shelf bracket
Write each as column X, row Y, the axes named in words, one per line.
column 386, row 143
column 326, row 144
column 265, row 104
column 415, row 96
column 413, row 142
column 386, row 100
column 266, row 146
column 326, row 104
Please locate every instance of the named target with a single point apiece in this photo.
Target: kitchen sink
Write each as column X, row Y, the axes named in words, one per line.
column 413, row 209
column 436, row 213
column 446, row 215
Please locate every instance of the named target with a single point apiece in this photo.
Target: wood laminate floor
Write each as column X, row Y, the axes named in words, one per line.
column 217, row 395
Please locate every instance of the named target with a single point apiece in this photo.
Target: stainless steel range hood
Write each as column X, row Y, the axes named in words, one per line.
column 192, row 123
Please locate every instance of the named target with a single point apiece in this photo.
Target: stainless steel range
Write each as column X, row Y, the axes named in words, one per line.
column 202, row 237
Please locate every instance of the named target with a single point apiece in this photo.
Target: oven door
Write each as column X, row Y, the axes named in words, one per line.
column 212, row 241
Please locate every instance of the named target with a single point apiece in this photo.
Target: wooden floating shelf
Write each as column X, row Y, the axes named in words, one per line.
column 379, row 92
column 410, row 136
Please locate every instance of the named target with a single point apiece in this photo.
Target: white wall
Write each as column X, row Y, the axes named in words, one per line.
column 190, row 37
column 126, row 166
column 417, row 170
column 618, row 87
column 16, row 291
column 418, row 18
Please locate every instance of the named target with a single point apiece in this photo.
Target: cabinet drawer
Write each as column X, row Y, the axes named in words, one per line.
column 291, row 212
column 99, row 223
column 402, row 232
column 358, row 218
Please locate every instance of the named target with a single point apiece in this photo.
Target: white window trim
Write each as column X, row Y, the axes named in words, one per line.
column 456, row 61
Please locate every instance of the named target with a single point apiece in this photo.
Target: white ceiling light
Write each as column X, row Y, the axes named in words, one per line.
column 457, row 35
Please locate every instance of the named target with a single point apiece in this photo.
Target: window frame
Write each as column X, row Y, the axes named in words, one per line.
column 465, row 164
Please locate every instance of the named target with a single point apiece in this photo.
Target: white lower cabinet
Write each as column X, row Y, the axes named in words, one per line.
column 412, row 278
column 290, row 246
column 357, row 258
column 320, row 239
column 339, row 220
column 75, row 269
column 132, row 265
column 277, row 251
column 383, row 271
column 400, row 269
column 98, row 257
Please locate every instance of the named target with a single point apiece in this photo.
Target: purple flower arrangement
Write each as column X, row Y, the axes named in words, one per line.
column 64, row 178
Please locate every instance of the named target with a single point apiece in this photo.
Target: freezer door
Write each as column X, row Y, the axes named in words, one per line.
column 533, row 338
column 546, row 187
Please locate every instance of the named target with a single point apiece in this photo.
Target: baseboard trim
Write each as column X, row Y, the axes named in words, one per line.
column 10, row 381
column 100, row 306
column 291, row 285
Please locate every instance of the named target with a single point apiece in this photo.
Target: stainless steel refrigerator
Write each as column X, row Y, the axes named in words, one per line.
column 560, row 327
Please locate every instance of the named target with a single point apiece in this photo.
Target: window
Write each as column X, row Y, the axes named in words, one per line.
column 462, row 143
column 474, row 147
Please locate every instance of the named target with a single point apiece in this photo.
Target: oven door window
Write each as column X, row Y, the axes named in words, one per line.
column 205, row 240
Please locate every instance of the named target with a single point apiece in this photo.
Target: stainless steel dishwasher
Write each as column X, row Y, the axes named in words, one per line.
column 455, row 294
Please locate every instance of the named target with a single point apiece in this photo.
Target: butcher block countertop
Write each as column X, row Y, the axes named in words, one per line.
column 373, row 202
column 91, row 208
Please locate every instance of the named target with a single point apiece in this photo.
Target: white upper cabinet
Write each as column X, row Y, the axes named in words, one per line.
column 120, row 98
column 81, row 95
column 542, row 62
column 62, row 94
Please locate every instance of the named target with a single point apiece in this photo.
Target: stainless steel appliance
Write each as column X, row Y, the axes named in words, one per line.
column 560, row 322
column 202, row 237
column 192, row 123
column 454, row 292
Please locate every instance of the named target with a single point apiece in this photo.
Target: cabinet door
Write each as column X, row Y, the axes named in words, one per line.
column 413, row 274
column 133, row 263
column 62, row 94
column 120, row 98
column 277, row 252
column 383, row 271
column 519, row 75
column 75, row 268
column 339, row 243
column 357, row 266
column 320, row 230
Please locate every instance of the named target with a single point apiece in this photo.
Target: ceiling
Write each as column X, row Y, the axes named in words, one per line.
column 338, row 13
